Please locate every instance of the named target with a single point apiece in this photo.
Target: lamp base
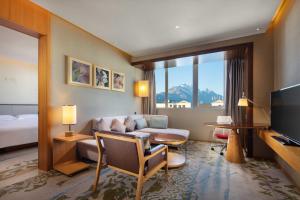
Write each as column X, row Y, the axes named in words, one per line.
column 69, row 133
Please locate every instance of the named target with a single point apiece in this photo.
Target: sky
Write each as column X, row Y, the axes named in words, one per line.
column 210, row 73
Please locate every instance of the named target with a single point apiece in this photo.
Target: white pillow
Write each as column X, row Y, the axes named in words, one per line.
column 7, row 118
column 27, row 116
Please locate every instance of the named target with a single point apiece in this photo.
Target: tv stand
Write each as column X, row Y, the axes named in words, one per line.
column 285, row 141
column 291, row 154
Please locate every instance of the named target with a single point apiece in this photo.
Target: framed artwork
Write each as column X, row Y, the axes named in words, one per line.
column 79, row 72
column 102, row 78
column 118, row 81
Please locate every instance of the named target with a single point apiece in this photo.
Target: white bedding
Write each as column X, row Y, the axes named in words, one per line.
column 22, row 130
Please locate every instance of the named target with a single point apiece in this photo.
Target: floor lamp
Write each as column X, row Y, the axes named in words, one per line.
column 243, row 102
column 141, row 89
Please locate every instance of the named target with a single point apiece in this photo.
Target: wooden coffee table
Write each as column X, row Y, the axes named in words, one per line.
column 174, row 159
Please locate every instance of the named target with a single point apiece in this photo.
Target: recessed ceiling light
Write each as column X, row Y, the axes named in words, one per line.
column 257, row 29
column 177, row 27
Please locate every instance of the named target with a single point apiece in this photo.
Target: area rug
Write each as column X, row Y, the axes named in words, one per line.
column 206, row 175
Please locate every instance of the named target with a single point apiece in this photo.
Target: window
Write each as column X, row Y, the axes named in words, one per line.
column 180, row 83
column 178, row 79
column 211, row 79
column 160, row 84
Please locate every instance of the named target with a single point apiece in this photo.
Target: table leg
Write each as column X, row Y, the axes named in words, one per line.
column 234, row 149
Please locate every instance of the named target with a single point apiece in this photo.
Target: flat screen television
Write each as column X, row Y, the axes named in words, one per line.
column 285, row 113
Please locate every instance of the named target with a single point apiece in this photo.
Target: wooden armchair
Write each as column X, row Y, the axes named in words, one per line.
column 125, row 153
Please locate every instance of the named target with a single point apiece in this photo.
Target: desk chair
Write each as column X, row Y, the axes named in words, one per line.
column 221, row 134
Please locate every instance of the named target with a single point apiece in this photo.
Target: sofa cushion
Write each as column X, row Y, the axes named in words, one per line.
column 130, row 124
column 102, row 126
column 158, row 122
column 116, row 125
column 141, row 123
column 108, row 120
column 185, row 133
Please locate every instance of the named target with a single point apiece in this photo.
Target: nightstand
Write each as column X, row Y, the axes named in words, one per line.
column 65, row 154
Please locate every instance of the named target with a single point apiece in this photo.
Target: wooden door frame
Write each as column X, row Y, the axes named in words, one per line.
column 28, row 18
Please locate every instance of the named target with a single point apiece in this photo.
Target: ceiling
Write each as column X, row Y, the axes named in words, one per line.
column 18, row 46
column 146, row 27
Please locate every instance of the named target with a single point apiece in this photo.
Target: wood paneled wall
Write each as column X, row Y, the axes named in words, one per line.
column 27, row 17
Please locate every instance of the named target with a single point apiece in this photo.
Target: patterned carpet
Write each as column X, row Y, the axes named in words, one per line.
column 206, row 175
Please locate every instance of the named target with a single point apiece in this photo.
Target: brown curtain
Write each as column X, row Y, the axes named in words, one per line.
column 236, row 82
column 149, row 103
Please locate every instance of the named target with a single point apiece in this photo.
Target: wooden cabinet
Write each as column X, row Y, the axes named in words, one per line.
column 65, row 154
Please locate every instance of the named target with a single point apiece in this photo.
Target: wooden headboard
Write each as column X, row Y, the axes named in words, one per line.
column 18, row 109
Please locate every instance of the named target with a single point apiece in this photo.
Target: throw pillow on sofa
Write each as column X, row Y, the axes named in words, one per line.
column 130, row 124
column 102, row 126
column 141, row 123
column 116, row 125
column 158, row 122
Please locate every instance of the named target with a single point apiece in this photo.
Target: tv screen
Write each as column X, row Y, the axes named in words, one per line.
column 285, row 112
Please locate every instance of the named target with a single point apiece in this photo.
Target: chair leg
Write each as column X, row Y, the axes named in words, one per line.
column 98, row 171
column 223, row 148
column 139, row 188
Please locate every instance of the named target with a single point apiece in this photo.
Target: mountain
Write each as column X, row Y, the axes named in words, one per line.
column 185, row 92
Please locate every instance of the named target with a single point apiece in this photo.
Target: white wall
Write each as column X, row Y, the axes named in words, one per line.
column 68, row 39
column 18, row 82
column 18, row 68
column 193, row 120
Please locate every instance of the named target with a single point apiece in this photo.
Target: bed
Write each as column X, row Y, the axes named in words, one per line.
column 18, row 125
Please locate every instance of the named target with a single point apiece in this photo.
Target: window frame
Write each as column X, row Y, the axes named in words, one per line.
column 195, row 103
column 248, row 45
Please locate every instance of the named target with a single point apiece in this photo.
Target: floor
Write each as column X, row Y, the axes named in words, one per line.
column 206, row 176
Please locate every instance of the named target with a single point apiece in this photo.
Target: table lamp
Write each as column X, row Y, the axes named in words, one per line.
column 69, row 117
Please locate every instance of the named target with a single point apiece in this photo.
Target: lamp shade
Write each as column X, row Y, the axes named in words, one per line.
column 243, row 102
column 69, row 114
column 142, row 88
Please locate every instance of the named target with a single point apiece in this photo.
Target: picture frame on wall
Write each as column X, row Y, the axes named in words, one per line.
column 118, row 81
column 102, row 78
column 79, row 72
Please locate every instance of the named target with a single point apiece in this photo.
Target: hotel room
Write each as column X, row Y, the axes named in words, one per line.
column 19, row 90
column 149, row 100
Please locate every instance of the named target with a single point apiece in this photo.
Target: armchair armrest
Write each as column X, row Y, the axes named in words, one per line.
column 156, row 150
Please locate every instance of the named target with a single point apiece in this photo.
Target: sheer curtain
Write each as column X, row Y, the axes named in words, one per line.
column 149, row 103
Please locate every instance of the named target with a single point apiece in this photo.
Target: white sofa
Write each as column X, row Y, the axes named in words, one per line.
column 88, row 148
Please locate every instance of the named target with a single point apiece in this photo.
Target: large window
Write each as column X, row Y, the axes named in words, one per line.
column 211, row 79
column 180, row 78
column 160, row 84
column 180, row 83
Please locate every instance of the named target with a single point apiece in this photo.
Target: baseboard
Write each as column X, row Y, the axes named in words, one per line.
column 17, row 147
